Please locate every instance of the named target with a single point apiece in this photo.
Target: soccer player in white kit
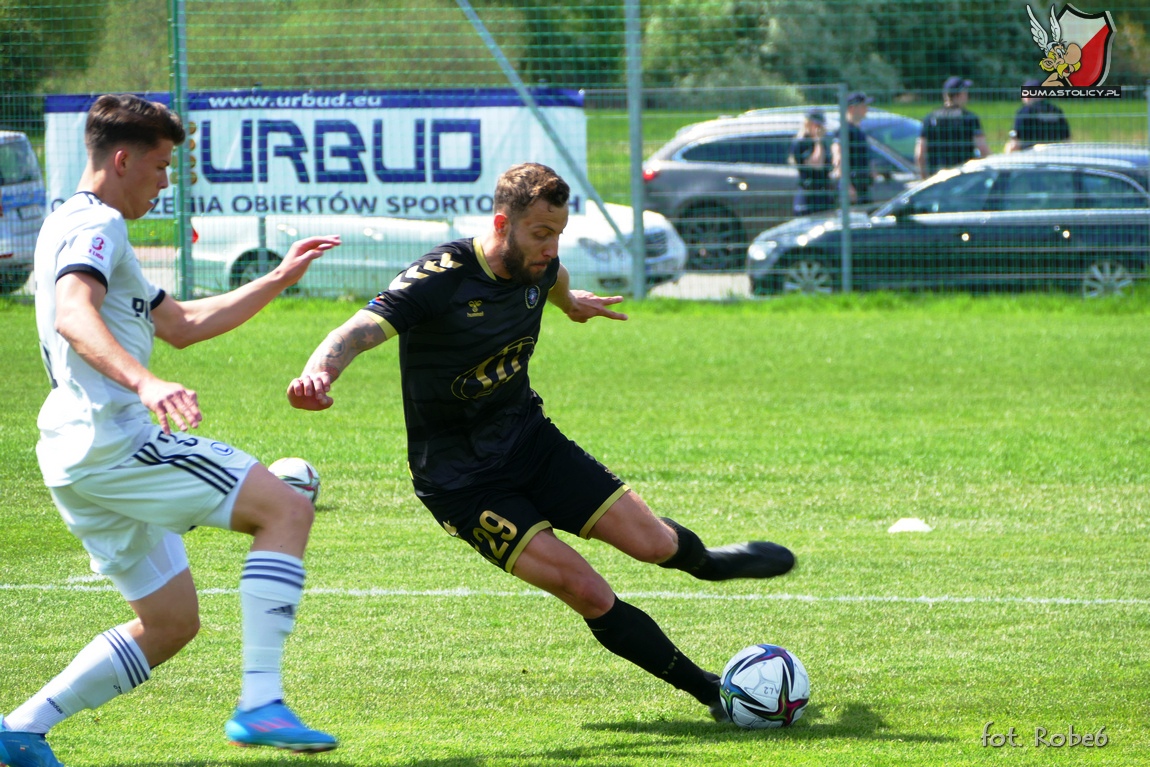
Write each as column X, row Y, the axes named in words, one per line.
column 129, row 488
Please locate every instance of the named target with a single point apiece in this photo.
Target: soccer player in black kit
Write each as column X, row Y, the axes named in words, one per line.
column 485, row 459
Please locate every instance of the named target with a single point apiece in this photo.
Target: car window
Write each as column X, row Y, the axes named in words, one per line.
column 1110, row 192
column 959, row 194
column 17, row 163
column 880, row 163
column 754, row 150
column 1037, row 190
column 899, row 136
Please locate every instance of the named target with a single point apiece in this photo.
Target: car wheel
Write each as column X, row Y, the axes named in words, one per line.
column 807, row 277
column 13, row 279
column 714, row 237
column 766, row 285
column 1106, row 278
column 253, row 265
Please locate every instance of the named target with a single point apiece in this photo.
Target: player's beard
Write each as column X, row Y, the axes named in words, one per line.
column 515, row 262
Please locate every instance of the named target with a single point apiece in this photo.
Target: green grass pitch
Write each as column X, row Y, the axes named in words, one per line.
column 1016, row 428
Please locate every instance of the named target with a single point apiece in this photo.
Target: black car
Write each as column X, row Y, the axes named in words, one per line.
column 721, row 181
column 1070, row 218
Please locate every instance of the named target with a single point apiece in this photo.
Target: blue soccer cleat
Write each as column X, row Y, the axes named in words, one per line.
column 277, row 726
column 25, row 749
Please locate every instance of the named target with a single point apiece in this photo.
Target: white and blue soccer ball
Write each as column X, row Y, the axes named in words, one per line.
column 764, row 686
column 300, row 475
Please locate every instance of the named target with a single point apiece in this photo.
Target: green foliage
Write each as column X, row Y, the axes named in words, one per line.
column 39, row 39
column 335, row 44
column 578, row 42
column 882, row 46
column 694, row 45
column 130, row 53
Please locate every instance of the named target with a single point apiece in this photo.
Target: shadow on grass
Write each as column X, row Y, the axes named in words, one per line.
column 285, row 760
column 856, row 721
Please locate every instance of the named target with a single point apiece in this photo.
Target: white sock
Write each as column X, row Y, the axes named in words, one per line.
column 112, row 664
column 270, row 590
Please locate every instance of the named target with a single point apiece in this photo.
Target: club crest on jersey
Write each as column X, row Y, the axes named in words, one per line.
column 531, row 296
column 96, row 247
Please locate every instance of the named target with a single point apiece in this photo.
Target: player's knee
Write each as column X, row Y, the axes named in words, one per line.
column 655, row 546
column 294, row 513
column 590, row 595
column 186, row 630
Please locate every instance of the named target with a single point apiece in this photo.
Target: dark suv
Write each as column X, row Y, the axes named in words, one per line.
column 1069, row 216
column 723, row 181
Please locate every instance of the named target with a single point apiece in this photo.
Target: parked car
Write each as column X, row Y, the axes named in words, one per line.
column 22, row 206
column 228, row 250
column 723, row 180
column 1023, row 220
column 1131, row 160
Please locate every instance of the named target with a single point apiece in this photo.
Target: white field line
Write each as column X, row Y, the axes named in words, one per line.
column 465, row 593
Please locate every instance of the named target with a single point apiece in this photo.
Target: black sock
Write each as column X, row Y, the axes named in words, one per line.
column 692, row 556
column 633, row 635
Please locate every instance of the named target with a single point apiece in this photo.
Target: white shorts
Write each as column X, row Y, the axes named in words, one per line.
column 167, row 560
column 171, row 484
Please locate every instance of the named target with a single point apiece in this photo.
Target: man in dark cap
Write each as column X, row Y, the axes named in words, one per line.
column 812, row 156
column 951, row 134
column 860, row 174
column 1037, row 121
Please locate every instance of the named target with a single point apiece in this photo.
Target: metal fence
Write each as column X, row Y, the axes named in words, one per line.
column 389, row 121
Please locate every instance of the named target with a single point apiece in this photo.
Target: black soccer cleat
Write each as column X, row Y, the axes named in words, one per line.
column 756, row 559
column 715, row 707
column 718, row 713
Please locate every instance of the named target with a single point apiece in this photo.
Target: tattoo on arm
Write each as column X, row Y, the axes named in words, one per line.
column 344, row 344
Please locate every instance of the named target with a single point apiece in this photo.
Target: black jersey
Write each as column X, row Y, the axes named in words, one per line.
column 949, row 133
column 1040, row 122
column 859, row 157
column 466, row 337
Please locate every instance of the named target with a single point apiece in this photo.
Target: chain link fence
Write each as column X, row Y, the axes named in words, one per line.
column 389, row 121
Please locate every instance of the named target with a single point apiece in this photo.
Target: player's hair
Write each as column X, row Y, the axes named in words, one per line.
column 117, row 119
column 521, row 185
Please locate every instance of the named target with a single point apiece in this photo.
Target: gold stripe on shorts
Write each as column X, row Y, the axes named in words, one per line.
column 534, row 530
column 586, row 531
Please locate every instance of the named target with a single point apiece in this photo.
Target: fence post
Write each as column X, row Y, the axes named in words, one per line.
column 845, row 189
column 178, row 47
column 635, row 125
column 529, row 100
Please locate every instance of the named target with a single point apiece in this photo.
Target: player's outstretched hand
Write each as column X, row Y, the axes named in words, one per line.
column 173, row 404
column 300, row 255
column 584, row 305
column 310, row 392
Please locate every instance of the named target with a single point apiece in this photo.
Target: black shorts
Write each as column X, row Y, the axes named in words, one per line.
column 547, row 481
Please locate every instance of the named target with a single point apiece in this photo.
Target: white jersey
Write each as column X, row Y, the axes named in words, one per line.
column 89, row 422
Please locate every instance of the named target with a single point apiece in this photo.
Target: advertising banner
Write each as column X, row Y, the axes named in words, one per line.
column 415, row 154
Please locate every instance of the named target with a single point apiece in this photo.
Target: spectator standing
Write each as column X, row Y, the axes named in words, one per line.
column 812, row 155
column 951, row 134
column 1037, row 121
column 861, row 176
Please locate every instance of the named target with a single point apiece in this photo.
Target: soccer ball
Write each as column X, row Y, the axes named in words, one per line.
column 299, row 474
column 764, row 686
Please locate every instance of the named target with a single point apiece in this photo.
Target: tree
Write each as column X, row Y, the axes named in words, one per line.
column 38, row 39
